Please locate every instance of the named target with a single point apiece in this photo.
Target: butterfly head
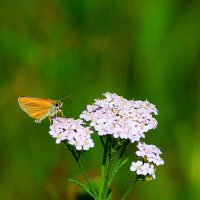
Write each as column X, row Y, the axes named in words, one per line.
column 58, row 105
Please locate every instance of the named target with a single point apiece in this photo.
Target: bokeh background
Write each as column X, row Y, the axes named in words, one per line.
column 141, row 49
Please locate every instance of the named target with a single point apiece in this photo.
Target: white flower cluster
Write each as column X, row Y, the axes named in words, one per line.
column 73, row 131
column 150, row 155
column 143, row 169
column 122, row 118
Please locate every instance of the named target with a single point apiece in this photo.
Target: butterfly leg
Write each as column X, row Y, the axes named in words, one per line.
column 61, row 112
column 50, row 119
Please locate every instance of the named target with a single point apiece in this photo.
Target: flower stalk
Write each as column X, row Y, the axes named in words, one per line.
column 129, row 190
column 103, row 168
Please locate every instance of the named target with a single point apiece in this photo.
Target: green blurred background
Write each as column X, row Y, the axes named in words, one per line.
column 141, row 49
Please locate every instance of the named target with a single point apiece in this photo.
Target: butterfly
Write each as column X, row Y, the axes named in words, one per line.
column 40, row 108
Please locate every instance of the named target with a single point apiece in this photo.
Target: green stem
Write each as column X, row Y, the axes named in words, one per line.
column 101, row 184
column 77, row 159
column 123, row 150
column 129, row 190
column 112, row 162
column 103, row 168
column 102, row 142
column 87, row 179
column 108, row 170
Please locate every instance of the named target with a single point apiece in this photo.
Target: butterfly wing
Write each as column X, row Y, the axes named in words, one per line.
column 36, row 108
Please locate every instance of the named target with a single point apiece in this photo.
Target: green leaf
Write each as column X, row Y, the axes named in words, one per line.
column 84, row 187
column 117, row 167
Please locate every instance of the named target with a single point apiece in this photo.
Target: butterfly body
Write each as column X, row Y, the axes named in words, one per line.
column 39, row 108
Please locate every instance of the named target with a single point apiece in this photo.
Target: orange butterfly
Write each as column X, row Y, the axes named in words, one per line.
column 40, row 108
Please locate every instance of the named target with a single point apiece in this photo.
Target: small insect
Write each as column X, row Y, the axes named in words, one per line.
column 40, row 108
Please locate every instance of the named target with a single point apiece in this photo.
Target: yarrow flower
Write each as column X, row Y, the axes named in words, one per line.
column 150, row 155
column 122, row 118
column 143, row 169
column 73, row 132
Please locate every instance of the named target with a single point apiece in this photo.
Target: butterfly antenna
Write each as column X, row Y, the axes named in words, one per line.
column 70, row 105
column 67, row 97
